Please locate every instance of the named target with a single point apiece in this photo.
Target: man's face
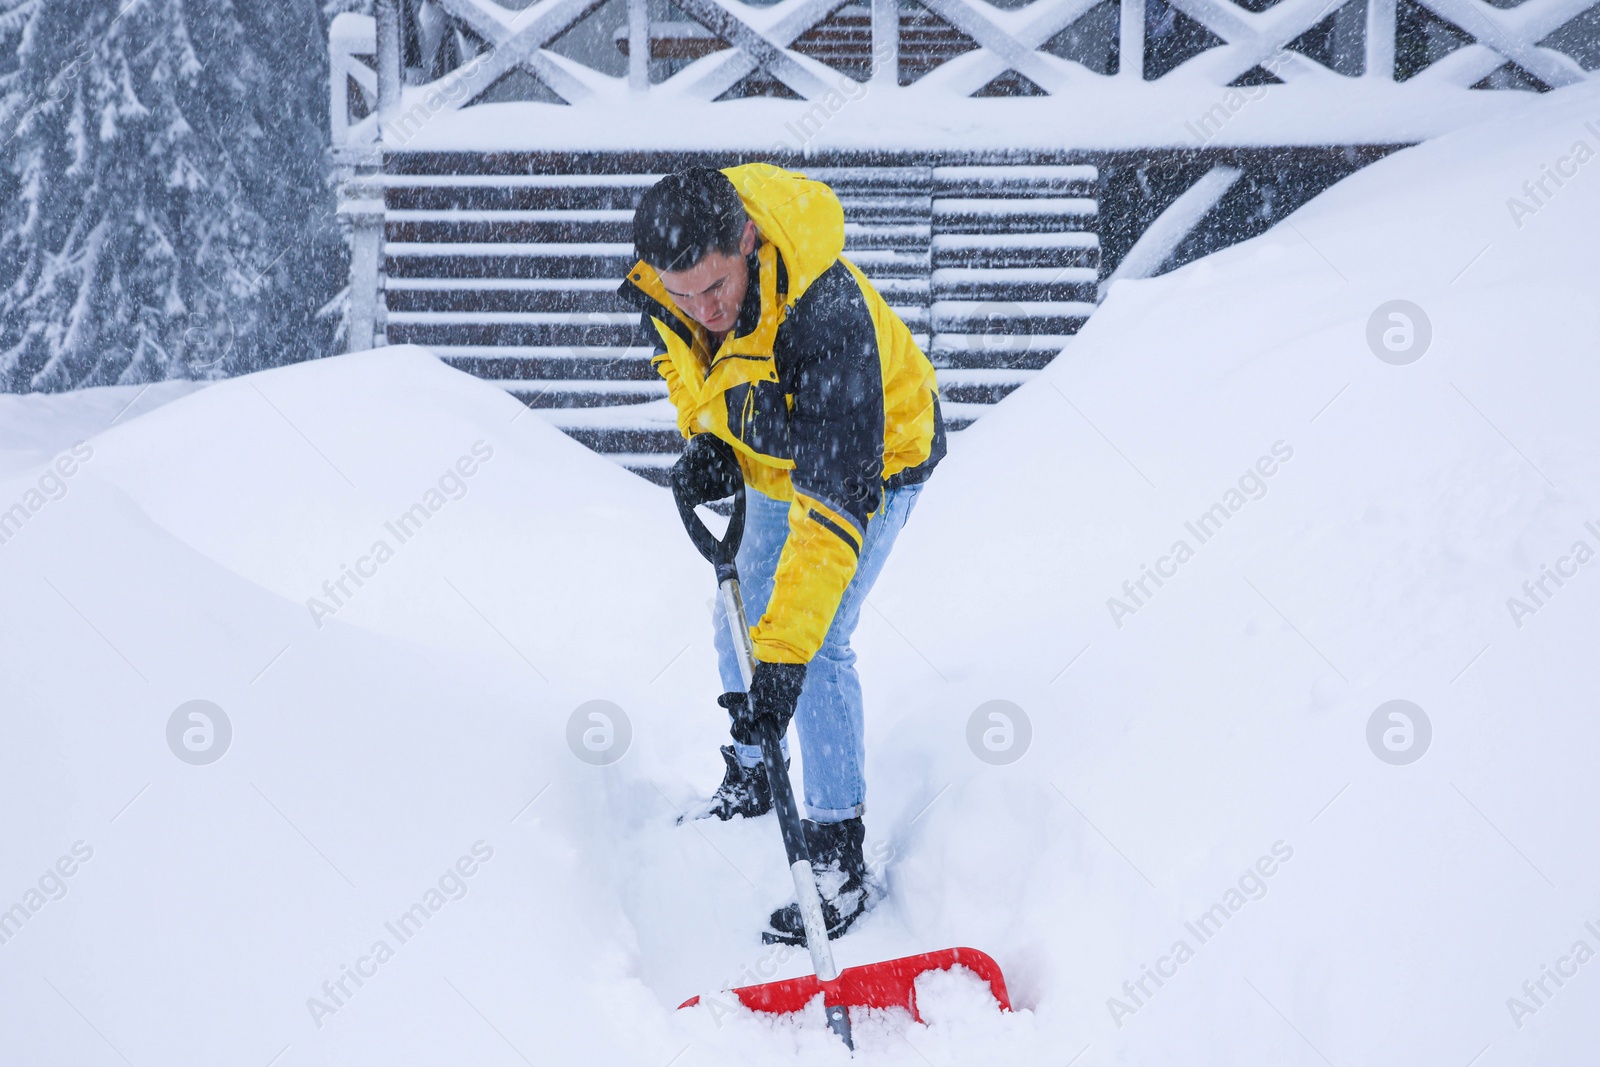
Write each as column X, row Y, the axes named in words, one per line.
column 712, row 291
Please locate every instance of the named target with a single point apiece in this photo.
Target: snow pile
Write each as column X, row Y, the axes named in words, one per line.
column 1375, row 522
column 38, row 425
column 404, row 594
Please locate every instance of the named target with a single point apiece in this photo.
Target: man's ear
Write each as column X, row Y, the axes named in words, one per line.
column 747, row 240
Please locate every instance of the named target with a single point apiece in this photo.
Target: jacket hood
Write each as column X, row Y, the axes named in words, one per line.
column 802, row 217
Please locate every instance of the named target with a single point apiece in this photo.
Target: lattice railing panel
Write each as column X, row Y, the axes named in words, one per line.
column 716, row 49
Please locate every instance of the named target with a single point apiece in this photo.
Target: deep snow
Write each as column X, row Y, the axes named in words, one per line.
column 1221, row 725
column 39, row 425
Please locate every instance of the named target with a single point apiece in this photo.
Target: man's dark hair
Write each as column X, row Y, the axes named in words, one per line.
column 684, row 215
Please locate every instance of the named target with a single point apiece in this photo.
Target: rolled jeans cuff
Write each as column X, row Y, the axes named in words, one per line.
column 835, row 814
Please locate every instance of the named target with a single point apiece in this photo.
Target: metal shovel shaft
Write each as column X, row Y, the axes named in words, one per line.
column 794, row 841
column 722, row 553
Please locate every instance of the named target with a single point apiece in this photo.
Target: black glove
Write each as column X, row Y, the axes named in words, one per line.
column 774, row 691
column 706, row 471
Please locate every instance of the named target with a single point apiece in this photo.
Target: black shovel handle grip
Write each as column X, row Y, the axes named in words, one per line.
column 720, row 553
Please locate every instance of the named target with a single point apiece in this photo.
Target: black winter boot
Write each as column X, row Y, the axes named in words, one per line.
column 744, row 791
column 841, row 873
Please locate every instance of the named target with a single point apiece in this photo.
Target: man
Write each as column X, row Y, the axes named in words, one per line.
column 788, row 372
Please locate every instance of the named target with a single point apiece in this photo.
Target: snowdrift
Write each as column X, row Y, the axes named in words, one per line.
column 402, row 591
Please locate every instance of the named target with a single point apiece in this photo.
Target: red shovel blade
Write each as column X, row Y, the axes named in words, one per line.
column 891, row 984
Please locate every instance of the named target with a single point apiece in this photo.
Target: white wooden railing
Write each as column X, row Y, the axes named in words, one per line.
column 466, row 46
column 416, row 64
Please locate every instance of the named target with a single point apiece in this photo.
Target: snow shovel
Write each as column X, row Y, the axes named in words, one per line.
column 891, row 984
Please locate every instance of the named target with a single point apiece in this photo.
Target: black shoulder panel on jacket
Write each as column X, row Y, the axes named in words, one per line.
column 827, row 358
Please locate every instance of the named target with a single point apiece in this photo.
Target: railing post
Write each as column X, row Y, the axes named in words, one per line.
column 387, row 15
column 362, row 207
column 361, row 200
column 1130, row 41
column 885, row 42
column 1380, row 39
column 638, row 45
column 338, row 92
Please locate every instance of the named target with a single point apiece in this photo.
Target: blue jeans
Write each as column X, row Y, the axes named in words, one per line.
column 828, row 715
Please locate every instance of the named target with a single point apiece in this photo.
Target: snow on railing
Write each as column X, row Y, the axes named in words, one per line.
column 579, row 52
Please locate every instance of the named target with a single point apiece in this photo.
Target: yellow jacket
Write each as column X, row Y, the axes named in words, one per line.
column 819, row 388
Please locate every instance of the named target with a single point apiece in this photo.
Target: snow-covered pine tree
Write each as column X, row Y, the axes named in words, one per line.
column 164, row 208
